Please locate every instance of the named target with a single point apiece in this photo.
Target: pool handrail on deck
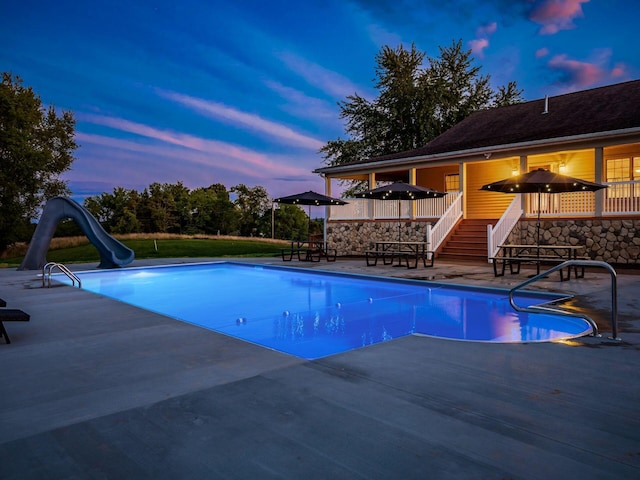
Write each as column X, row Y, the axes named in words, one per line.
column 572, row 263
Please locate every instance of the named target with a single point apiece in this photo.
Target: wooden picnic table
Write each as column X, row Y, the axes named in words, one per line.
column 403, row 251
column 308, row 251
column 514, row 255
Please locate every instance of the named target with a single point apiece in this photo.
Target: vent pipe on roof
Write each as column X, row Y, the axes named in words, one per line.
column 546, row 105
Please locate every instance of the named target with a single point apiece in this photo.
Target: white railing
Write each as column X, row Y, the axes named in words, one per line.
column 498, row 234
column 621, row 198
column 561, row 204
column 437, row 233
column 365, row 209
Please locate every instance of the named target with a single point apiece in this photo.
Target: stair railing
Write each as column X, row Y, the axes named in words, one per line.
column 497, row 235
column 436, row 234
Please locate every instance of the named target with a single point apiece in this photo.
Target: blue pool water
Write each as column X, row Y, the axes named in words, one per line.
column 315, row 314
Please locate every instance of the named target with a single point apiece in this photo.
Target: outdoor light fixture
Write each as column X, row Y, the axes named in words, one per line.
column 563, row 167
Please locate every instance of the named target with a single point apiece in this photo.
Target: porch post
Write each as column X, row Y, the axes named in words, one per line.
column 327, row 209
column 372, row 185
column 599, row 169
column 412, row 205
column 463, row 188
column 524, row 160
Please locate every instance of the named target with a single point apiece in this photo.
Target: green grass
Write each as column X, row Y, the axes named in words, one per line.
column 169, row 248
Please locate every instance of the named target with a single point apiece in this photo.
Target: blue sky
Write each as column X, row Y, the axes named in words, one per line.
column 246, row 91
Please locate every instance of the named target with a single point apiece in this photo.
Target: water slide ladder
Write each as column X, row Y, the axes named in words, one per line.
column 547, row 309
column 48, row 269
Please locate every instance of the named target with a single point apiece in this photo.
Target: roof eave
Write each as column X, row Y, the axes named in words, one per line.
column 496, row 150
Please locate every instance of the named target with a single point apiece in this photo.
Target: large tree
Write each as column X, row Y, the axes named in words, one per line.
column 36, row 146
column 416, row 103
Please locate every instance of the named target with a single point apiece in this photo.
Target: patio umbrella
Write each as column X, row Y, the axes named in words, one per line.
column 541, row 181
column 310, row 199
column 401, row 191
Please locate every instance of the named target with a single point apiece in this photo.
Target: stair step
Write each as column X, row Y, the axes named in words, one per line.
column 468, row 241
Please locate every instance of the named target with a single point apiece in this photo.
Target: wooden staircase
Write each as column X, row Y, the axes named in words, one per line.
column 468, row 241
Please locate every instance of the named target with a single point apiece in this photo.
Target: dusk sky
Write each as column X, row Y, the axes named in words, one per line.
column 246, row 91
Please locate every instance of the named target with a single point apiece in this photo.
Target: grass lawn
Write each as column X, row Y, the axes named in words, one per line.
column 164, row 248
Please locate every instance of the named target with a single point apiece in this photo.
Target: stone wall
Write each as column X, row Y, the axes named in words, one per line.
column 614, row 241
column 354, row 238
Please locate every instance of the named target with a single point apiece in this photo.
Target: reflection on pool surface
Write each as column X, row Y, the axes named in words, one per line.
column 315, row 314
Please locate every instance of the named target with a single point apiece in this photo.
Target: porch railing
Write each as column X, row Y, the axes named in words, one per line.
column 562, row 204
column 621, row 198
column 366, row 209
column 437, row 233
column 498, row 234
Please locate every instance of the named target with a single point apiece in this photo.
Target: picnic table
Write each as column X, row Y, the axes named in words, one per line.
column 403, row 251
column 310, row 250
column 514, row 255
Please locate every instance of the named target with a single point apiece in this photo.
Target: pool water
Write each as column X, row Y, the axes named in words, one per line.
column 315, row 314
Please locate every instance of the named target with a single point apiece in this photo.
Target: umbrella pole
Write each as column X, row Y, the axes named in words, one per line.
column 538, row 234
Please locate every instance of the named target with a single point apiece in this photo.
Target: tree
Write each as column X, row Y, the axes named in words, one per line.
column 415, row 104
column 291, row 222
column 36, row 146
column 252, row 204
column 212, row 211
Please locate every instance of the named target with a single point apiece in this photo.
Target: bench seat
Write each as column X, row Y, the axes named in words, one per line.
column 308, row 254
column 388, row 256
column 11, row 315
column 515, row 263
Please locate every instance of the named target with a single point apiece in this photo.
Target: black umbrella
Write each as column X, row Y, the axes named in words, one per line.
column 310, row 198
column 541, row 181
column 401, row 191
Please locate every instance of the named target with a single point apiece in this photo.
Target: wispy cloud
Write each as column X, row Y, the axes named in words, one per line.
column 328, row 81
column 244, row 158
column 556, row 15
column 246, row 120
column 302, row 105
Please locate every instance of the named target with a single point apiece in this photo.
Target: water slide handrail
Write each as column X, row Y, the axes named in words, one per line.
column 567, row 264
column 48, row 269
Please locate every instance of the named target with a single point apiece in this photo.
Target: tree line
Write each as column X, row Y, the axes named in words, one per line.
column 212, row 210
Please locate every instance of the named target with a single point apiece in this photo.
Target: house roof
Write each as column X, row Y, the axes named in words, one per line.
column 599, row 110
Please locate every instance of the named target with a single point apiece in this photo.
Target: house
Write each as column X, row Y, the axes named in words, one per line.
column 593, row 135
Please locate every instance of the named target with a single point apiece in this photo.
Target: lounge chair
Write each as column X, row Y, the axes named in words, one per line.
column 11, row 315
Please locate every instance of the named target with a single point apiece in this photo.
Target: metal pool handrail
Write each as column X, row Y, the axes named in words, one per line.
column 574, row 263
column 48, row 268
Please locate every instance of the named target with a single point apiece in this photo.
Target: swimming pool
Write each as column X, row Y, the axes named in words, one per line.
column 313, row 314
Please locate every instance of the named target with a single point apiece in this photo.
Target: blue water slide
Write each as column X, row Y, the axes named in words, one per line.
column 112, row 252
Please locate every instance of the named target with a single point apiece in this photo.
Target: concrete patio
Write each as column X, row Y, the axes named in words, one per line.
column 94, row 388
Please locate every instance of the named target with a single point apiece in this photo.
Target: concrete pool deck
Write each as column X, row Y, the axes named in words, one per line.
column 93, row 388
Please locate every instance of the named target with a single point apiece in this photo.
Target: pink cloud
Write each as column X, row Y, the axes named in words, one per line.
column 542, row 52
column 477, row 46
column 575, row 74
column 487, row 30
column 619, row 70
column 556, row 15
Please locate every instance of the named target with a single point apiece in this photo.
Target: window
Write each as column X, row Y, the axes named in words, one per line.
column 452, row 182
column 623, row 170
